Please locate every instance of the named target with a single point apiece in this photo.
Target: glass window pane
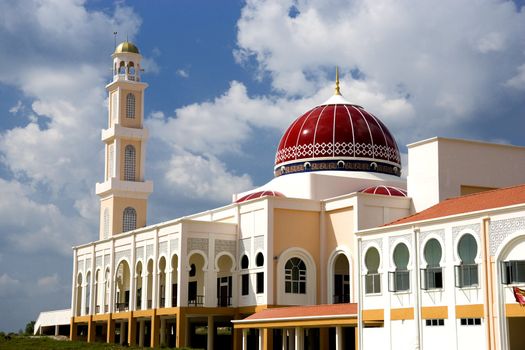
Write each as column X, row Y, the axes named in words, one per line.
column 432, row 252
column 467, row 249
column 401, row 256
column 372, row 260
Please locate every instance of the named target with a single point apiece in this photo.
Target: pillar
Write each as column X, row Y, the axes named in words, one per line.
column 245, row 339
column 211, row 332
column 167, row 287
column 141, row 332
column 111, row 330
column 260, row 337
column 56, row 330
column 267, row 339
column 339, row 338
column 182, row 323
column 356, row 331
column 324, row 337
column 91, row 330
column 73, row 330
column 162, row 332
column 144, row 296
column 155, row 325
column 132, row 330
column 299, row 338
column 123, row 333
column 284, row 339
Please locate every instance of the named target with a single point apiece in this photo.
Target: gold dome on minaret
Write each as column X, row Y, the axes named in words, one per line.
column 127, row 46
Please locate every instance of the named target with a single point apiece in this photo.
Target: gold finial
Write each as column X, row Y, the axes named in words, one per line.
column 337, row 92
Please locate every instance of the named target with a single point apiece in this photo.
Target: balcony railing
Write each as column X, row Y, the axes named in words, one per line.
column 121, row 307
column 341, row 298
column 224, row 301
column 198, row 300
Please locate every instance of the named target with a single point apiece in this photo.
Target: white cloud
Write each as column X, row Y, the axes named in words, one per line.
column 8, row 285
column 518, row 81
column 48, row 282
column 183, row 73
column 16, row 107
column 438, row 64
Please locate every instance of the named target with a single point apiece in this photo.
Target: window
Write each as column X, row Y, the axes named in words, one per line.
column 129, row 163
column 466, row 274
column 260, row 282
column 435, row 322
column 259, row 260
column 513, row 271
column 432, row 276
column 372, row 278
column 130, row 106
column 111, row 161
column 295, row 276
column 129, row 219
column 106, row 223
column 470, row 321
column 245, row 278
column 245, row 284
column 399, row 280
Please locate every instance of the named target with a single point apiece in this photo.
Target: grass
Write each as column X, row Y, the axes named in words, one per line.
column 18, row 342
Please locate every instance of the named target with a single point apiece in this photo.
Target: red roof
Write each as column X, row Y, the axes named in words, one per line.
column 322, row 311
column 385, row 190
column 259, row 194
column 499, row 198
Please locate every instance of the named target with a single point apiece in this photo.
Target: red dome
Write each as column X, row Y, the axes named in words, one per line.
column 259, row 195
column 337, row 136
column 385, row 190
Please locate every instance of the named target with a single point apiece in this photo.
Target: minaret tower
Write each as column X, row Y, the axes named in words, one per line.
column 124, row 192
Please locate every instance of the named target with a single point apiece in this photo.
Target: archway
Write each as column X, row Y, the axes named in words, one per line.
column 122, row 285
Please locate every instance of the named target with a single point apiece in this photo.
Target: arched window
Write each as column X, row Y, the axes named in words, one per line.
column 129, row 163
column 129, row 219
column 106, row 223
column 295, row 276
column 432, row 276
column 467, row 271
column 122, row 68
column 131, row 69
column 372, row 278
column 245, row 277
column 399, row 280
column 130, row 106
column 259, row 262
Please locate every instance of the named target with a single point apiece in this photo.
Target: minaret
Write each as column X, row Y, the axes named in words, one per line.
column 124, row 192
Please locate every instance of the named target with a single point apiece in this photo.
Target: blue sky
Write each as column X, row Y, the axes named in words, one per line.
column 226, row 79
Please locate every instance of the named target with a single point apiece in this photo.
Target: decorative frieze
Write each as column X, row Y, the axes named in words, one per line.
column 163, row 248
column 121, row 255
column 472, row 228
column 501, row 229
column 223, row 245
column 99, row 262
column 149, row 251
column 245, row 245
column 198, row 244
column 139, row 253
column 174, row 245
column 394, row 240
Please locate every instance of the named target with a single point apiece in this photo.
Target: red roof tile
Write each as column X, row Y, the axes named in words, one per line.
column 498, row 198
column 310, row 311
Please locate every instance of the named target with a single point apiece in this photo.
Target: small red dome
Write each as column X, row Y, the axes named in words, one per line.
column 337, row 135
column 385, row 190
column 259, row 195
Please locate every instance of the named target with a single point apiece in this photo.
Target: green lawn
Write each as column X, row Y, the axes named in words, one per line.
column 43, row 343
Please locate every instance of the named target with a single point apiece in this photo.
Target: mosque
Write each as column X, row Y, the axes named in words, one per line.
column 337, row 251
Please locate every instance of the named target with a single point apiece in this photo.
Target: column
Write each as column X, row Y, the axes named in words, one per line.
column 56, row 330
column 155, row 325
column 167, row 287
column 74, row 300
column 155, row 289
column 92, row 294
column 123, row 333
column 83, row 296
column 245, row 339
column 132, row 284
column 181, row 329
column 339, row 338
column 284, row 339
column 141, row 332
column 111, row 330
column 72, row 330
column 144, row 296
column 211, row 332
column 91, row 330
column 162, row 332
column 260, row 337
column 111, row 301
column 299, row 338
column 291, row 338
column 132, row 330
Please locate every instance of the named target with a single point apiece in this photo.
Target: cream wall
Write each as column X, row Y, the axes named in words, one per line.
column 438, row 167
column 298, row 229
column 131, row 122
column 138, row 158
column 119, row 204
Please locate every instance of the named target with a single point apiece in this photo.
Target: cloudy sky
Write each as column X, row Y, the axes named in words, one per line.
column 226, row 79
